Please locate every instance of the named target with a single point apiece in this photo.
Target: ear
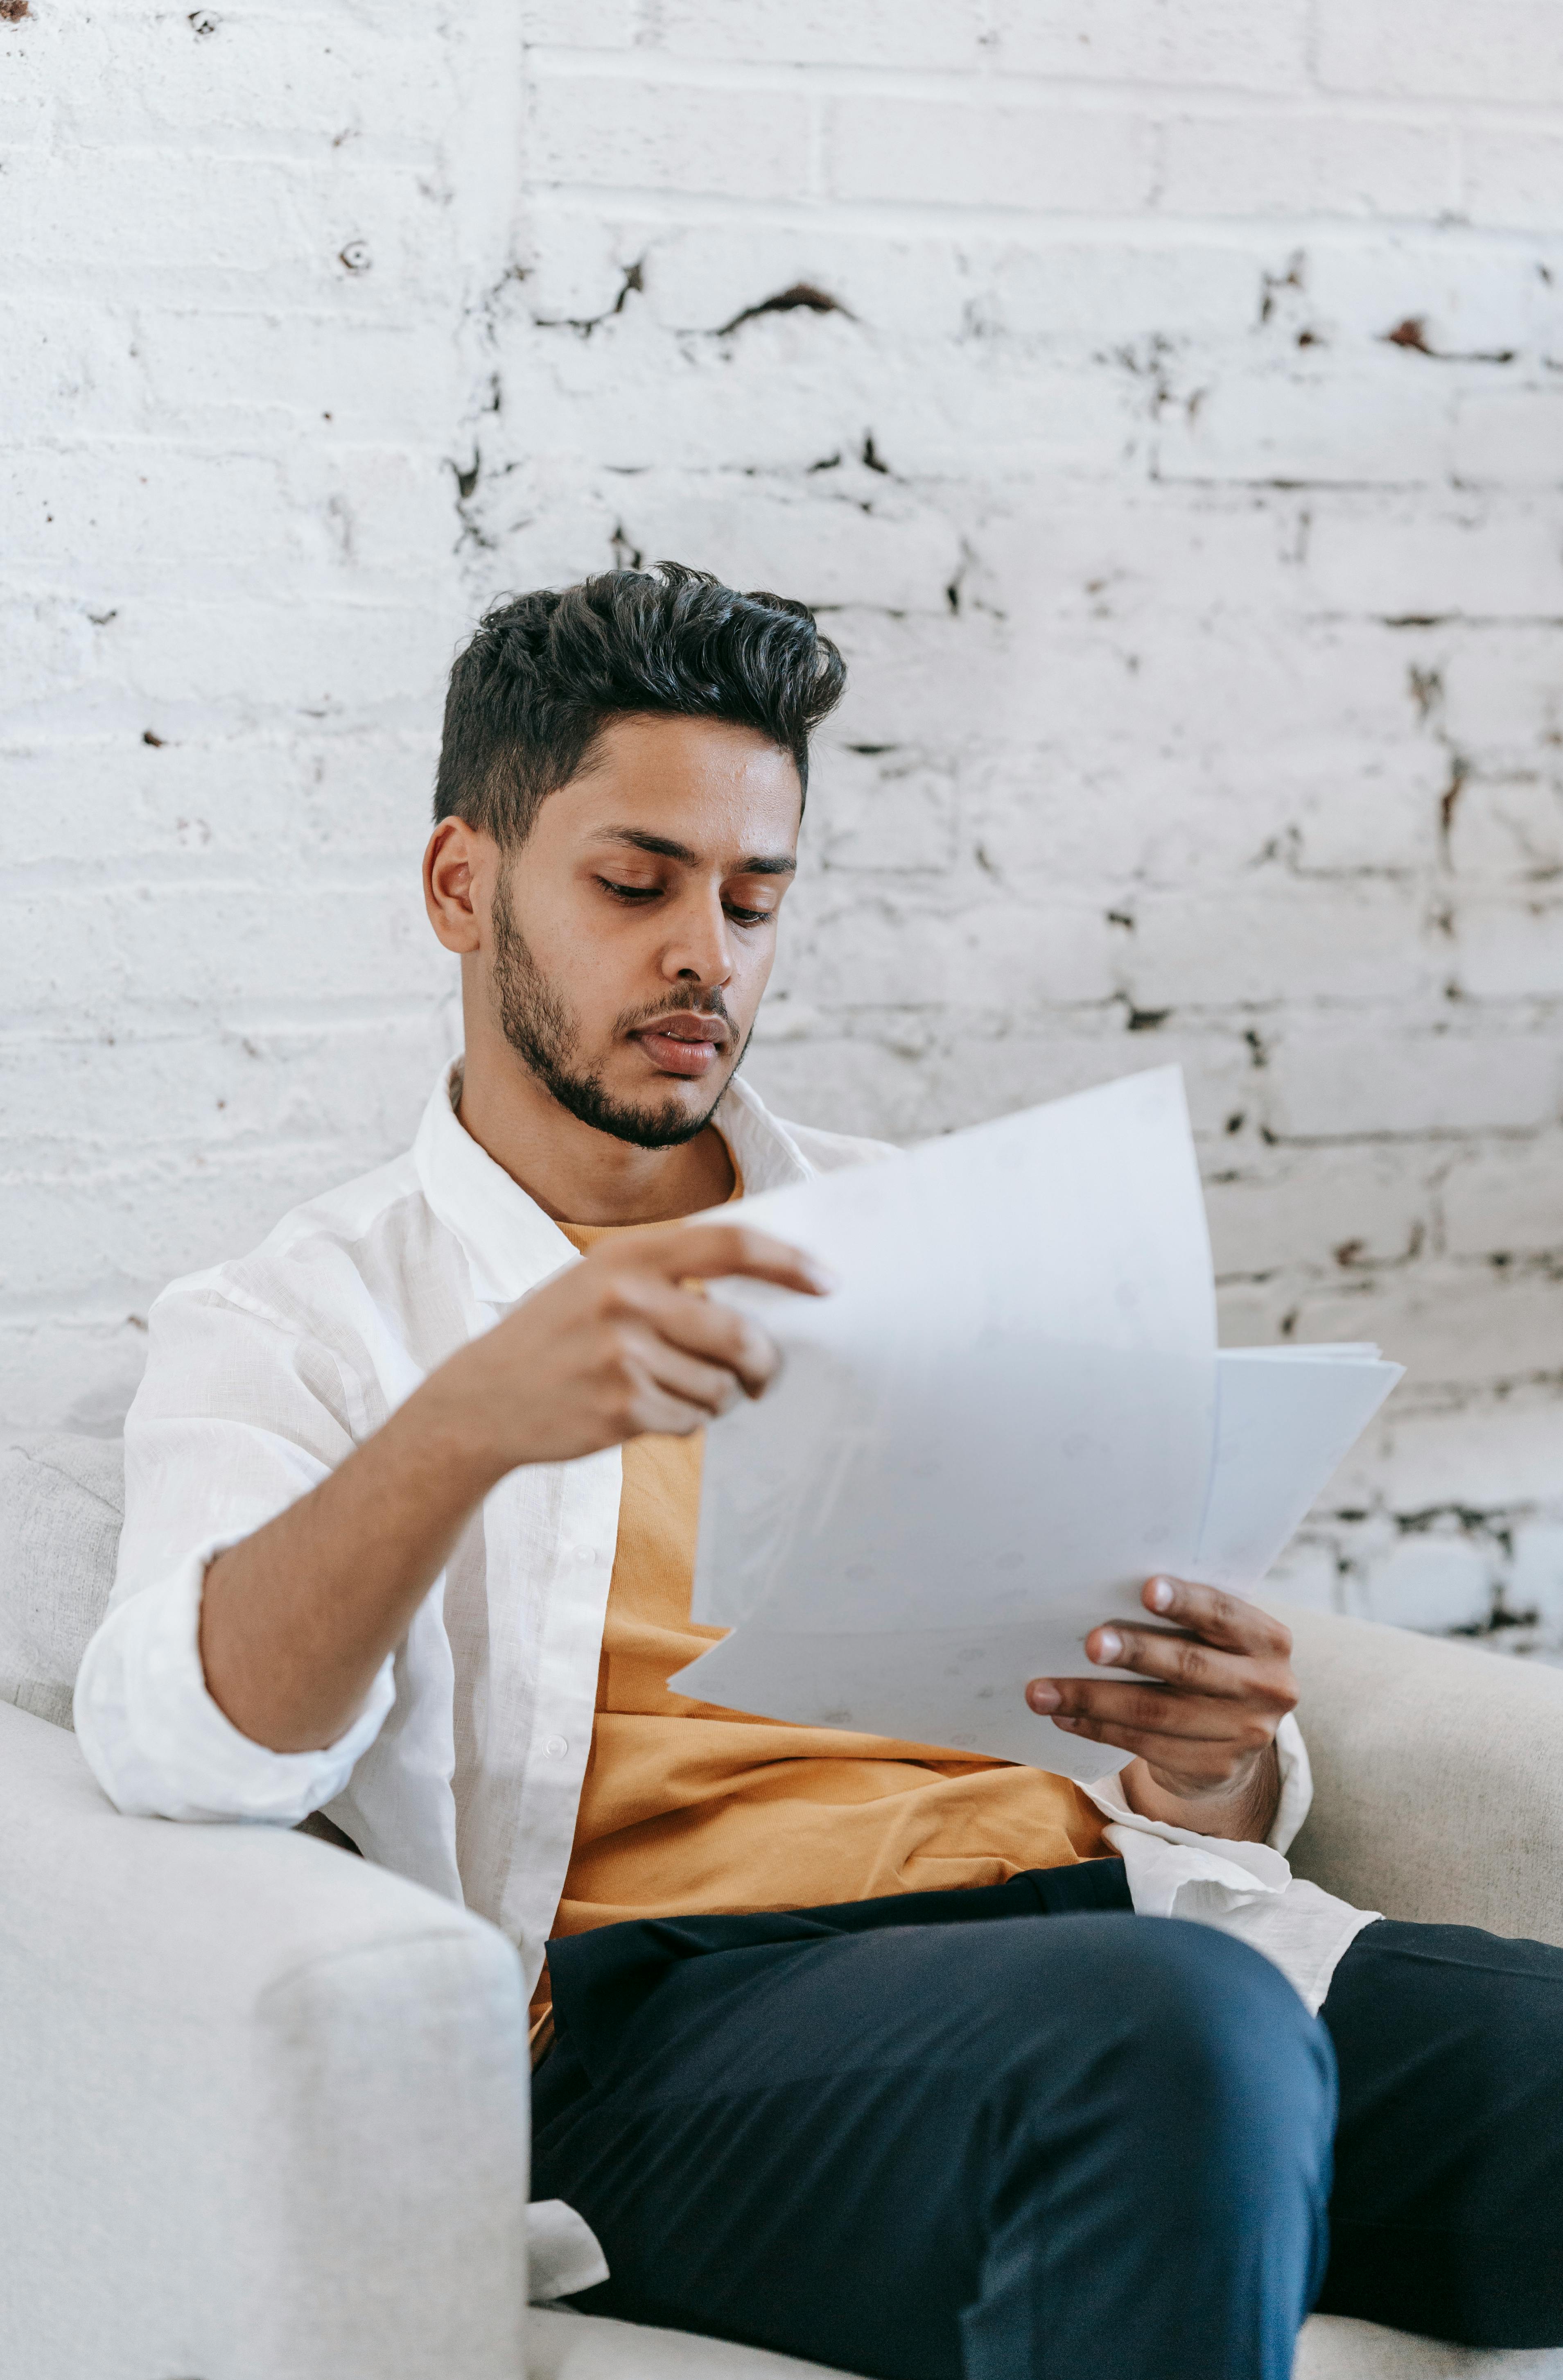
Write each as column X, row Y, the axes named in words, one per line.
column 460, row 866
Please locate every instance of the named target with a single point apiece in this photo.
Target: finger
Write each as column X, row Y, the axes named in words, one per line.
column 702, row 1327
column 706, row 1390
column 1197, row 1767
column 709, row 1251
column 1229, row 1622
column 1195, row 1668
column 1189, row 1717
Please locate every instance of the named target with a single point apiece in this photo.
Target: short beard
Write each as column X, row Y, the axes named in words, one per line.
column 543, row 1033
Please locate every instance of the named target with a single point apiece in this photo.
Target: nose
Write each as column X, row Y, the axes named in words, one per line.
column 698, row 952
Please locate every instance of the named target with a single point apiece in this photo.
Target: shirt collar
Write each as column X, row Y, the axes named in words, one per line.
column 509, row 1242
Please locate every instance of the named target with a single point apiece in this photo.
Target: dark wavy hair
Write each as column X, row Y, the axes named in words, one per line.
column 545, row 672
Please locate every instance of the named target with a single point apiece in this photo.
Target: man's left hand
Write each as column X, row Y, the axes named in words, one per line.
column 1205, row 1733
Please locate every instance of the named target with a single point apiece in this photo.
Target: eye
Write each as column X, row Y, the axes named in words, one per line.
column 633, row 894
column 742, row 916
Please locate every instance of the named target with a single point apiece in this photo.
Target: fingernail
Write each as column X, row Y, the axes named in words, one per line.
column 1161, row 1594
column 822, row 1277
column 1043, row 1695
column 1109, row 1646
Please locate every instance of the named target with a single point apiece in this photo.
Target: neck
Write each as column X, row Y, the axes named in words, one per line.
column 576, row 1173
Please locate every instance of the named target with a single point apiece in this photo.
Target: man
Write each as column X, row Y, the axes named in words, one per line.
column 859, row 2050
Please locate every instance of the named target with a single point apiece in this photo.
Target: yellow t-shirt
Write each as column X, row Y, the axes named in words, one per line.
column 688, row 1806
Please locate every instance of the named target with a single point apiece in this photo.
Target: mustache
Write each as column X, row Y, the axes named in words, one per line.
column 692, row 1003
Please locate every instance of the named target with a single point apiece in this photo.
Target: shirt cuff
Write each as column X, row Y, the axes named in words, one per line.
column 159, row 1745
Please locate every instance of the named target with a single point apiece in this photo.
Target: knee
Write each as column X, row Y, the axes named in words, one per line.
column 1187, row 2047
column 1225, row 2063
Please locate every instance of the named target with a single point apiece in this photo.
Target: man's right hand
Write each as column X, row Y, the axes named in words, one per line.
column 620, row 1344
column 296, row 1619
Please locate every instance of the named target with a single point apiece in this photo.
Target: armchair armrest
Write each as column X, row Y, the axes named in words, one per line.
column 1438, row 1775
column 263, row 2107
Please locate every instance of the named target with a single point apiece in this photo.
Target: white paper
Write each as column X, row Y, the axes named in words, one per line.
column 999, row 1426
column 1286, row 1418
column 1017, row 1304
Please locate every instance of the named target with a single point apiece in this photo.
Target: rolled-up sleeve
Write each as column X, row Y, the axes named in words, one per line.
column 238, row 1416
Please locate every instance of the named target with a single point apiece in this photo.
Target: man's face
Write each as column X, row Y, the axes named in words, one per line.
column 633, row 932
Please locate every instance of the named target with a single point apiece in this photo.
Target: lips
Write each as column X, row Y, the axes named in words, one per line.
column 686, row 1045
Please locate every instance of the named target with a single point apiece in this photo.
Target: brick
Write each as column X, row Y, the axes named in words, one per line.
column 1456, row 1329
column 1335, row 1086
column 1305, row 1578
column 1510, row 947
column 1508, row 438
column 901, row 556
column 137, row 213
column 1405, row 562
column 581, row 24
column 1508, row 830
column 620, row 134
column 1492, row 1455
column 1430, row 1583
column 1315, row 427
column 266, row 75
column 1506, row 1200
column 184, row 656
column 1220, row 45
column 48, row 648
column 1511, row 177
column 1436, row 49
column 146, row 1091
column 1250, row 948
column 825, row 33
column 1535, row 1583
column 332, row 378
column 703, row 276
column 994, row 958
column 883, row 812
column 1050, row 281
column 1258, row 165
column 1332, row 1212
column 1502, row 696
column 62, row 368
column 91, row 515
column 703, row 422
column 275, row 803
column 1044, row 159
column 170, row 948
column 71, row 1371
column 1470, row 299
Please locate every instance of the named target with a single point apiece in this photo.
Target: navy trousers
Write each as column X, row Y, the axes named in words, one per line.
column 1019, row 2132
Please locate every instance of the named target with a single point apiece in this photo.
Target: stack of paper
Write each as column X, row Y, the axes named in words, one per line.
column 1010, row 1414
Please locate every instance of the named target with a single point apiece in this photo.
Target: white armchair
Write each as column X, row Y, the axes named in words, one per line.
column 263, row 2105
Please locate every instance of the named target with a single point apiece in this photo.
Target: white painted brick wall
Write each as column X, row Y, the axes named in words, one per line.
column 1163, row 398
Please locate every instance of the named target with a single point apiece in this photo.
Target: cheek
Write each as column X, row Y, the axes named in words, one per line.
column 752, row 963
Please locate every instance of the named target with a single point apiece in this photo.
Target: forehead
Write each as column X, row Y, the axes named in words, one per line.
column 701, row 782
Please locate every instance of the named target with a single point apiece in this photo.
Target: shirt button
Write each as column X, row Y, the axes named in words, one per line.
column 556, row 1747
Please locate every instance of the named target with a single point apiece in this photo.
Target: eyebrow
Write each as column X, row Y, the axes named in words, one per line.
column 776, row 863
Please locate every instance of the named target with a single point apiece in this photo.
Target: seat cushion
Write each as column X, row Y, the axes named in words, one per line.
column 1334, row 2349
column 564, row 2346
column 61, row 1500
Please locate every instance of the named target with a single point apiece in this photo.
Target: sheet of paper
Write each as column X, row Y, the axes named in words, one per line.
column 1018, row 1306
column 1007, row 1416
column 952, row 1689
column 1286, row 1418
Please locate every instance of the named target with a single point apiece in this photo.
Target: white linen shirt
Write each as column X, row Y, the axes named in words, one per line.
column 464, row 1768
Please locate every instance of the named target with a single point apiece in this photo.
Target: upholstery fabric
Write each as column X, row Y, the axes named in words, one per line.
column 1437, row 1776
column 62, row 1499
column 263, row 2106
column 564, row 2346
